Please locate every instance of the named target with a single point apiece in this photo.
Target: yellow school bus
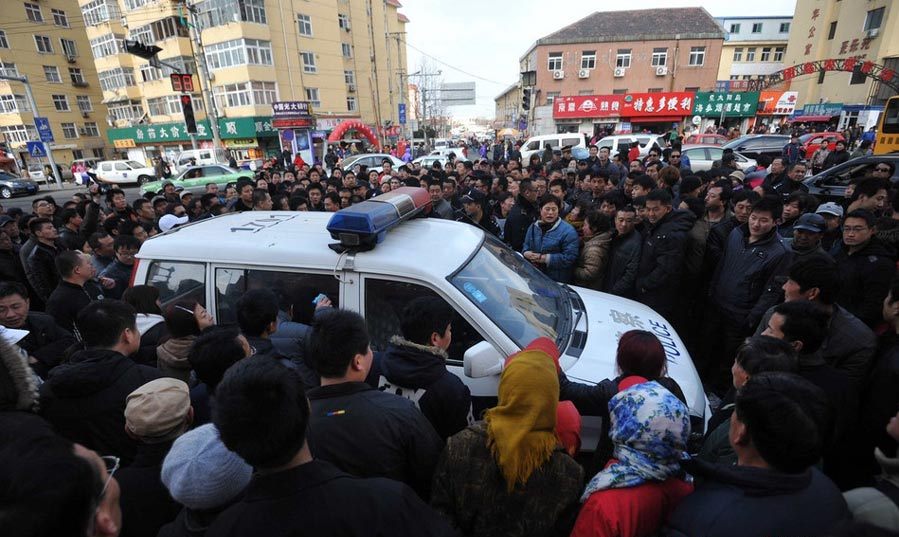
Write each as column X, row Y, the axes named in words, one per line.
column 888, row 128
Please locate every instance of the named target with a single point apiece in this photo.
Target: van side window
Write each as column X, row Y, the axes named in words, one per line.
column 384, row 303
column 177, row 280
column 122, row 167
column 295, row 292
column 571, row 141
column 532, row 146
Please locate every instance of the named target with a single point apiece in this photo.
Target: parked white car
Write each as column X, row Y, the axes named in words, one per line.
column 537, row 144
column 199, row 157
column 703, row 155
column 623, row 142
column 124, row 172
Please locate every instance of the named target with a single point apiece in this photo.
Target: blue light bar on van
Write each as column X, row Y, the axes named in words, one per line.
column 365, row 224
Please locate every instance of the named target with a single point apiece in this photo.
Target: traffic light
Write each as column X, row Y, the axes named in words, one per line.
column 526, row 98
column 139, row 49
column 182, row 82
column 187, row 106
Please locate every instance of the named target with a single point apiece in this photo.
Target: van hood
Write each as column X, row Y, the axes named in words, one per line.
column 607, row 318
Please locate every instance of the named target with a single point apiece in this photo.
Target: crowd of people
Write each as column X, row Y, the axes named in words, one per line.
column 123, row 415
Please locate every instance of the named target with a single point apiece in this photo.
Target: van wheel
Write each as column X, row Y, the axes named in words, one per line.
column 5, row 193
column 143, row 179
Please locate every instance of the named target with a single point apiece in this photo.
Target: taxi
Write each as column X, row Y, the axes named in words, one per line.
column 376, row 256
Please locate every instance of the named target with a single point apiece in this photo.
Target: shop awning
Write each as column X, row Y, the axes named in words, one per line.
column 813, row 119
column 655, row 119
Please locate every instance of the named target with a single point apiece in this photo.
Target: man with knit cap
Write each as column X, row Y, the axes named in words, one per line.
column 205, row 477
column 155, row 415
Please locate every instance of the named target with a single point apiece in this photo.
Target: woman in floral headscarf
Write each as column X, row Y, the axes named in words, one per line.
column 643, row 482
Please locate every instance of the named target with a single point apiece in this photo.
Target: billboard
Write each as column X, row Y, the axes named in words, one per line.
column 457, row 93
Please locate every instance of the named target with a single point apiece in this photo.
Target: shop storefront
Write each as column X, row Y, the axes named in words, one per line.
column 818, row 116
column 249, row 136
column 624, row 113
column 774, row 109
column 730, row 109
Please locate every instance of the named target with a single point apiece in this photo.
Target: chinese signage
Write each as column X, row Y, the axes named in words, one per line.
column 777, row 103
column 821, row 109
column 124, row 143
column 288, row 114
column 712, row 104
column 661, row 105
column 242, row 127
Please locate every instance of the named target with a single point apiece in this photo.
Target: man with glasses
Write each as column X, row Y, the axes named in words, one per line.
column 866, row 267
column 119, row 271
column 883, row 170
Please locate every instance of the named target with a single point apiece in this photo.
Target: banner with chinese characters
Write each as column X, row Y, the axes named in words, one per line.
column 738, row 104
column 229, row 128
column 678, row 103
column 777, row 103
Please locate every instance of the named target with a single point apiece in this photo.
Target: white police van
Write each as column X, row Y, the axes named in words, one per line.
column 501, row 301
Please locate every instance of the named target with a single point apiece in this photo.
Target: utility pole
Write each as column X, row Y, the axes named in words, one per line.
column 205, row 82
column 424, row 100
column 34, row 113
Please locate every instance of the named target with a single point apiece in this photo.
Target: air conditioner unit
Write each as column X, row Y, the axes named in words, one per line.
column 85, row 114
column 661, row 70
column 872, row 32
column 351, row 88
column 82, row 131
column 583, row 73
column 558, row 74
column 70, row 58
column 619, row 72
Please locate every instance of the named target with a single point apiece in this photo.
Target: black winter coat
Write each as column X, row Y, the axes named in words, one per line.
column 661, row 262
column 523, row 214
column 145, row 502
column 85, row 399
column 419, row 374
column 41, row 270
column 624, row 259
column 68, row 299
column 865, row 277
column 46, row 341
column 316, row 498
column 11, row 269
column 373, row 434
column 744, row 501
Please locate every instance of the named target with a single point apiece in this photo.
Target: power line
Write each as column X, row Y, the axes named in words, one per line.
column 454, row 68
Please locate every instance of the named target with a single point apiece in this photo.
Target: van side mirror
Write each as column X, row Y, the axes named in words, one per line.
column 482, row 360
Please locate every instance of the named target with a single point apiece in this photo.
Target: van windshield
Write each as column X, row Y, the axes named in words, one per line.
column 520, row 299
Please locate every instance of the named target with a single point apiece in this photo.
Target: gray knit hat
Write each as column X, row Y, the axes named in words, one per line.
column 201, row 473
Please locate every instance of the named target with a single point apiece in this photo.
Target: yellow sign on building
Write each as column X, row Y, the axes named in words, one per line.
column 125, row 143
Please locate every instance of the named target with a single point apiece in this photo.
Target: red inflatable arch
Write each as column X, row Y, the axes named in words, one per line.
column 354, row 125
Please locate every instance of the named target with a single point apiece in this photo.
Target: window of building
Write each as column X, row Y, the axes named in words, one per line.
column 588, row 59
column 349, row 77
column 19, row 133
column 308, row 60
column 750, row 54
column 874, row 19
column 106, row 45
column 144, row 34
column 69, row 131
column 61, row 103
column 312, row 97
column 76, row 75
column 4, row 43
column 84, row 103
column 90, row 129
column 245, row 94
column 735, row 28
column 738, row 54
column 779, row 53
column 654, row 90
column 68, row 48
column 585, row 92
column 59, row 18
column 159, row 31
column 98, row 152
column 766, row 54
column 554, row 61
column 697, row 56
column 756, row 27
column 623, row 58
column 170, row 105
column 691, row 88
column 551, row 96
column 8, row 69
column 785, row 27
column 238, row 52
column 131, row 5
column 33, row 12
column 833, row 30
column 113, row 79
column 11, row 104
column 343, row 21
column 221, row 12
column 622, row 91
column 821, row 75
column 347, row 50
column 857, row 78
column 44, row 46
column 351, row 105
column 659, row 57
column 148, row 73
column 304, row 24
column 100, row 11
column 52, row 73
column 127, row 110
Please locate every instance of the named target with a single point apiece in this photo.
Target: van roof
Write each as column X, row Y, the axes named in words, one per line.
column 300, row 239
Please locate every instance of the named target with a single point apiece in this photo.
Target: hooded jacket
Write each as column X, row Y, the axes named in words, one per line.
column 172, row 358
column 590, row 269
column 418, row 373
column 522, row 215
column 744, row 501
column 661, row 261
column 865, row 277
column 878, row 506
column 559, row 243
column 85, row 399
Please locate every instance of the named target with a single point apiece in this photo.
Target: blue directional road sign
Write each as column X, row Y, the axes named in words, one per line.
column 43, row 129
column 402, row 113
column 36, row 149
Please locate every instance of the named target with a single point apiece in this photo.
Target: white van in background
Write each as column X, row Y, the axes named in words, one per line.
column 201, row 157
column 536, row 144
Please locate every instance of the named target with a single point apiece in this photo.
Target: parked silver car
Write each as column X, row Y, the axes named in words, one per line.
column 703, row 155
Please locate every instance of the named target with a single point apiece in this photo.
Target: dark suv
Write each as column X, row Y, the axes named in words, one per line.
column 753, row 145
column 830, row 185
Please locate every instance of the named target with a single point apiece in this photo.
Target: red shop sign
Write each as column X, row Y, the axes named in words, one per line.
column 678, row 103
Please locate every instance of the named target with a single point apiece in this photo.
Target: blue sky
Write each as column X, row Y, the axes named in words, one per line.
column 485, row 38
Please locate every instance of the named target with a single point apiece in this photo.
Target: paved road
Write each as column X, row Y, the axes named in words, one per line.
column 61, row 196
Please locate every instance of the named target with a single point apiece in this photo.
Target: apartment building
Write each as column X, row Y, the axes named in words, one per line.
column 508, row 107
column 44, row 40
column 754, row 47
column 345, row 57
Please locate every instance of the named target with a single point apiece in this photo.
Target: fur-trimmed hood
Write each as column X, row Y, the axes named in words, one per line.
column 413, row 365
column 18, row 386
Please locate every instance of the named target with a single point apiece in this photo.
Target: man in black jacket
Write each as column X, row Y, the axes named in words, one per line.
column 262, row 415
column 414, row 366
column 85, row 399
column 77, row 227
column 866, row 266
column 361, row 430
column 624, row 254
column 662, row 254
column 46, row 343
column 75, row 291
column 522, row 215
column 40, row 268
